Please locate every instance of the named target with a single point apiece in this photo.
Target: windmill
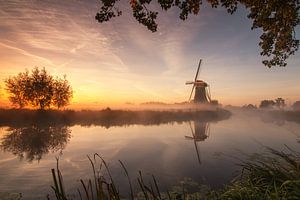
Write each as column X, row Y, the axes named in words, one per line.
column 200, row 133
column 202, row 91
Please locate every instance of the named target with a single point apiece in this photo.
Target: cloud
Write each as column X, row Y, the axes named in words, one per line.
column 50, row 30
column 25, row 53
column 122, row 58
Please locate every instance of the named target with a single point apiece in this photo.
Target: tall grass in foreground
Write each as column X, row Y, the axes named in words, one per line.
column 272, row 177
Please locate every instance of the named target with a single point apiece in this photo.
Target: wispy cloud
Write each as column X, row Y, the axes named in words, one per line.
column 123, row 59
column 25, row 53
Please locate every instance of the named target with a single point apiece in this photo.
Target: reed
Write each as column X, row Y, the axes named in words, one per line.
column 276, row 176
column 272, row 177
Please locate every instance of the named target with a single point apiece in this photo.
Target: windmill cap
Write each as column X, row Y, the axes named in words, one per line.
column 200, row 83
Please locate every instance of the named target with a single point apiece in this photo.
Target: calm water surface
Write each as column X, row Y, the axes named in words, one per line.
column 204, row 152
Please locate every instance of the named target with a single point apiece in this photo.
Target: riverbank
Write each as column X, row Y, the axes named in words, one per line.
column 293, row 116
column 106, row 117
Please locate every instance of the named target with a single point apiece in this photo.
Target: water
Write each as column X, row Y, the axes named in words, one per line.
column 207, row 153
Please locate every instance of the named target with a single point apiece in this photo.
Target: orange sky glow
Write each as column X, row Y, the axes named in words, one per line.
column 121, row 62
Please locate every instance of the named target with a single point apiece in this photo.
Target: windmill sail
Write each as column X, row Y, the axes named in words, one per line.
column 202, row 95
column 196, row 77
column 198, row 69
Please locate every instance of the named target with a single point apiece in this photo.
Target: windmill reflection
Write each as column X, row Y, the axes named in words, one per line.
column 200, row 133
column 34, row 141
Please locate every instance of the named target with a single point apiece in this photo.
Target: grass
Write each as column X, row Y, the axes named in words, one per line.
column 107, row 117
column 272, row 177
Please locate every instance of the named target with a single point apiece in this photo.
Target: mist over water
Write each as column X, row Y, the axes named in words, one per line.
column 205, row 150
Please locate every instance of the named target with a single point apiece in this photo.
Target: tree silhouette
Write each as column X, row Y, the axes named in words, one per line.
column 276, row 18
column 267, row 104
column 62, row 93
column 280, row 102
column 39, row 89
column 296, row 105
column 17, row 88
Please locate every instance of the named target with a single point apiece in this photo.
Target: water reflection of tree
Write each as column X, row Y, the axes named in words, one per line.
column 32, row 142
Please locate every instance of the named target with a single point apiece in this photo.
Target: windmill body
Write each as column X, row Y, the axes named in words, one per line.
column 202, row 93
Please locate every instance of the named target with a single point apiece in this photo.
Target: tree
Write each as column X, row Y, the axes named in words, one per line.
column 280, row 102
column 39, row 89
column 276, row 18
column 249, row 107
column 62, row 92
column 17, row 88
column 296, row 105
column 267, row 104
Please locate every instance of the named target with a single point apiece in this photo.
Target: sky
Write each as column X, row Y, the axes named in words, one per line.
column 120, row 62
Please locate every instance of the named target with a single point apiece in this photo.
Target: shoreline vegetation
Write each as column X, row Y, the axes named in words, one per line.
column 269, row 114
column 293, row 116
column 106, row 117
column 272, row 176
